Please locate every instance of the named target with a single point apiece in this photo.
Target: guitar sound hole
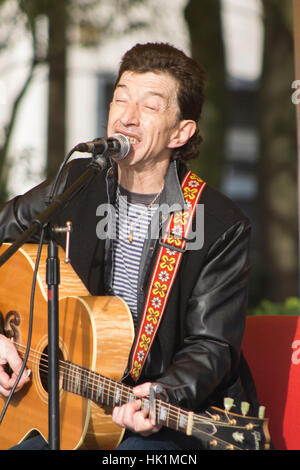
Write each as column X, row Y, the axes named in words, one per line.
column 43, row 367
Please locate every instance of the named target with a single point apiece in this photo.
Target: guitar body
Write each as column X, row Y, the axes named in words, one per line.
column 95, row 332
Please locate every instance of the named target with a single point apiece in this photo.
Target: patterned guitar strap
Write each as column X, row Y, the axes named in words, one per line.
column 165, row 270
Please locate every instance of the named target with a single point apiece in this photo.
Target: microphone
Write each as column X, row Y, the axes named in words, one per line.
column 116, row 146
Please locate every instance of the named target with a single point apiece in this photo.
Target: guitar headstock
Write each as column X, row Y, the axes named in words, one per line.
column 227, row 430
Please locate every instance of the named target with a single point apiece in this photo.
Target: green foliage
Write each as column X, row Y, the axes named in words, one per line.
column 291, row 306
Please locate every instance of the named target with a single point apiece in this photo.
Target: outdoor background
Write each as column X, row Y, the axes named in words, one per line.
column 58, row 60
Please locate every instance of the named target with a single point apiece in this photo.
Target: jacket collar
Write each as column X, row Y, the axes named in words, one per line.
column 171, row 194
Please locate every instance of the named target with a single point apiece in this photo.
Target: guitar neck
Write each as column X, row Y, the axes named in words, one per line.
column 219, row 429
column 107, row 392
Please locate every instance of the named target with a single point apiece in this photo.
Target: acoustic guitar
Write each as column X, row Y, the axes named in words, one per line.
column 95, row 337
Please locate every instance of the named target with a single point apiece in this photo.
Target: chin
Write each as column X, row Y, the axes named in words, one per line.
column 128, row 161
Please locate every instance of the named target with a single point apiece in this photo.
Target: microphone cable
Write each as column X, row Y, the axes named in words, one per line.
column 29, row 337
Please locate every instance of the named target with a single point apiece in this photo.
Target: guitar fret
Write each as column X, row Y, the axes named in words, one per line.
column 163, row 413
column 145, row 404
column 182, row 421
column 117, row 395
column 108, row 397
column 66, row 377
column 131, row 396
column 91, row 385
column 72, row 381
column 84, row 383
column 190, row 422
column 77, row 381
column 95, row 387
column 105, row 391
column 126, row 394
column 99, row 390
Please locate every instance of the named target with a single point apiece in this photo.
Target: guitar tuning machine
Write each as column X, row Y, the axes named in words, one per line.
column 67, row 229
column 228, row 403
column 261, row 412
column 245, row 406
column 213, row 443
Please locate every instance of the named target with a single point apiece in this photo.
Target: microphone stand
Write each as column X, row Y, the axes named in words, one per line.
column 52, row 278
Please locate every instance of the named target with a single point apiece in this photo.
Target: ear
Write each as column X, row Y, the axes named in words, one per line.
column 183, row 132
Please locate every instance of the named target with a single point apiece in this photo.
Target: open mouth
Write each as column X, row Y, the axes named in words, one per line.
column 132, row 140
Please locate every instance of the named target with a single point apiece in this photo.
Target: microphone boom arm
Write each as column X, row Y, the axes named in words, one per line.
column 53, row 208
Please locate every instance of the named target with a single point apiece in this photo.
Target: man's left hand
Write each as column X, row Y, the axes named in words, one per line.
column 132, row 417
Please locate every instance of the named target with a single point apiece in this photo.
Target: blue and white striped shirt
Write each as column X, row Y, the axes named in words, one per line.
column 133, row 214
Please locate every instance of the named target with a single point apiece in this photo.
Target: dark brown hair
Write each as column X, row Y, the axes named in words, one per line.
column 190, row 76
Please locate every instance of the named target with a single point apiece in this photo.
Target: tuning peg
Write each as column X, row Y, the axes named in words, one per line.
column 261, row 412
column 213, row 443
column 228, row 403
column 245, row 407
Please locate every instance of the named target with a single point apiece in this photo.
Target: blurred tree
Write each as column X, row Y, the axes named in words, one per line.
column 57, row 13
column 277, row 166
column 204, row 22
column 277, row 197
column 12, row 18
column 61, row 16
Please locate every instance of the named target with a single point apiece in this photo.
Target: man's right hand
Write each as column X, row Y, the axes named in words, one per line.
column 9, row 356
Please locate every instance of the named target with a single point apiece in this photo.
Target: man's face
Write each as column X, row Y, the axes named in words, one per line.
column 144, row 108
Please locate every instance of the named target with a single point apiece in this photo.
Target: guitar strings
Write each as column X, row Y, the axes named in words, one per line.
column 73, row 370
column 173, row 412
column 94, row 377
column 125, row 389
column 127, row 393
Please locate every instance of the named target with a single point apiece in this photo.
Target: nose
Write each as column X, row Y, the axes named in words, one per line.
column 130, row 115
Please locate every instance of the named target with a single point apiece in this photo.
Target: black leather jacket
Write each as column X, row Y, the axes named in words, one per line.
column 196, row 353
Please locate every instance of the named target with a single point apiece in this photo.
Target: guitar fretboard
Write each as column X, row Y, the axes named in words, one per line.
column 107, row 392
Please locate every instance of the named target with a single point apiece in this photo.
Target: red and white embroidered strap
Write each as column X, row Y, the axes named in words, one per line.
column 164, row 273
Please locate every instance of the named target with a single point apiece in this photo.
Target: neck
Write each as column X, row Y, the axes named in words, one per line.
column 145, row 181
